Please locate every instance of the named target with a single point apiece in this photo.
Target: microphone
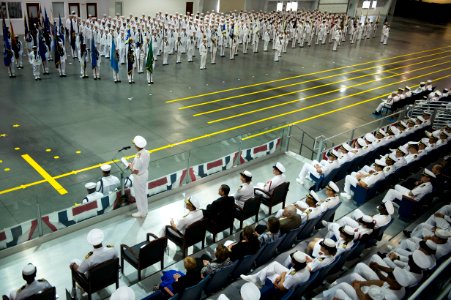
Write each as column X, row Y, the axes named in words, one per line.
column 124, row 148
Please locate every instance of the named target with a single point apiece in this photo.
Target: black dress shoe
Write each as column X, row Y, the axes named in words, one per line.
column 407, row 233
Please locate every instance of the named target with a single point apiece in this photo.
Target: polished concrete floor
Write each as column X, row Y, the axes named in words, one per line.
column 68, row 124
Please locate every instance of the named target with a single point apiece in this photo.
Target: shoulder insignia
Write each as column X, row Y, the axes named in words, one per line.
column 22, row 288
column 138, row 154
column 89, row 254
column 292, row 272
column 42, row 280
column 109, row 246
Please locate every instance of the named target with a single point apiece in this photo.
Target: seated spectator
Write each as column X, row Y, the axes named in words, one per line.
column 271, row 234
column 440, row 238
column 316, row 169
column 421, row 88
column 194, row 214
column 32, row 285
column 248, row 291
column 222, row 259
column 387, row 103
column 423, row 188
column 108, row 183
column 281, row 276
column 362, row 226
column 332, row 198
column 246, row 190
column 98, row 255
column 348, row 153
column 278, row 169
column 344, row 235
column 365, row 178
column 223, row 208
column 92, row 194
column 289, row 220
column 308, row 208
column 249, row 244
column 326, row 255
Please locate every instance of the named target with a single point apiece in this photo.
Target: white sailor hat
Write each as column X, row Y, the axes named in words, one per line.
column 395, row 130
column 139, row 141
column 412, row 143
column 90, row 185
column 380, row 162
column 445, row 90
column 436, row 133
column 408, row 88
column 401, row 276
column 246, row 173
column 382, row 131
column 427, row 112
column 279, row 167
column 422, row 83
column 335, row 153
column 348, row 230
column 422, row 260
column 431, row 245
column 424, row 141
column 314, row 195
column 441, row 223
column 223, row 297
column 429, row 81
column 28, row 269
column 95, row 236
column 328, row 243
column 299, row 256
column 389, row 207
column 393, row 157
column 333, row 186
column 346, row 146
column 428, row 173
column 404, row 124
column 123, row 293
column 403, row 149
column 438, row 93
column 193, row 201
column 428, row 134
column 442, row 233
column 369, row 137
column 105, row 167
column 367, row 219
column 249, row 291
column 421, row 118
column 361, row 142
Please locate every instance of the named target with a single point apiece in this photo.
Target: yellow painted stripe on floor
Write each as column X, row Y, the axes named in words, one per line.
column 298, row 76
column 58, row 187
column 318, row 95
column 306, row 89
column 215, row 133
column 310, row 80
column 323, row 114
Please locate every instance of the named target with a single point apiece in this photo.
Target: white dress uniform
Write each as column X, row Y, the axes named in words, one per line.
column 35, row 62
column 418, row 192
column 270, row 185
column 203, row 51
column 92, row 197
column 245, row 192
column 108, row 184
column 309, row 168
column 369, row 179
column 190, row 218
column 141, row 164
column 28, row 290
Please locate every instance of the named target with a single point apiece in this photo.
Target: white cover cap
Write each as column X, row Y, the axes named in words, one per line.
column 367, row 219
column 95, row 236
column 333, row 186
column 348, row 230
column 139, row 141
column 29, row 269
column 279, row 167
column 422, row 260
column 299, row 256
column 329, row 243
column 249, row 291
column 90, row 185
column 442, row 233
column 369, row 137
column 380, row 162
column 429, row 173
column 105, row 167
column 361, row 142
column 194, row 202
column 314, row 195
column 246, row 173
column 123, row 293
column 347, row 146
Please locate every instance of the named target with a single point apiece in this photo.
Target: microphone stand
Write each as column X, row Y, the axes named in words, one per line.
column 123, row 198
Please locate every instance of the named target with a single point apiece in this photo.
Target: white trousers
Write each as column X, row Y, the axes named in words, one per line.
column 140, row 190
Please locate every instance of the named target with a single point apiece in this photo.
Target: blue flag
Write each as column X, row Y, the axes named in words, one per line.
column 72, row 35
column 46, row 22
column 114, row 58
column 94, row 54
column 7, row 53
column 42, row 48
column 60, row 28
column 55, row 46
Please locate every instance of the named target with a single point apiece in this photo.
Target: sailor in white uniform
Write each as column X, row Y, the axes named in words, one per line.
column 92, row 195
column 278, row 169
column 108, row 183
column 32, row 286
column 246, row 190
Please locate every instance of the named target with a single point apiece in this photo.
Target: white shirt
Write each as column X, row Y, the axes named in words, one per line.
column 190, row 218
column 92, row 197
column 97, row 256
column 245, row 192
column 107, row 184
column 141, row 162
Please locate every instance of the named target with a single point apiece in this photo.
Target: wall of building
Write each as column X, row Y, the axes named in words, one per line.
column 231, row 5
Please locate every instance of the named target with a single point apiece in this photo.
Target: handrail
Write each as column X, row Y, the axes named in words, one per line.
column 304, row 131
column 428, row 281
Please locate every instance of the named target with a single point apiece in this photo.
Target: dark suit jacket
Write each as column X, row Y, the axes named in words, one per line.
column 191, row 278
column 221, row 210
column 242, row 249
column 286, row 224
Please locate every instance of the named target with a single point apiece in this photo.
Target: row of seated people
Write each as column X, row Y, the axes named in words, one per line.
column 392, row 164
column 404, row 96
column 363, row 149
column 396, row 273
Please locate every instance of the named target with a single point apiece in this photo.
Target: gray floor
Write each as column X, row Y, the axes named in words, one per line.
column 96, row 117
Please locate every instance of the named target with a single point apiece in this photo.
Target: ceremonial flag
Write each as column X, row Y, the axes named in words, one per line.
column 25, row 23
column 46, row 22
column 149, row 60
column 13, row 41
column 94, row 54
column 42, row 48
column 60, row 28
column 114, row 62
column 55, row 46
column 128, row 36
column 7, row 53
column 72, row 35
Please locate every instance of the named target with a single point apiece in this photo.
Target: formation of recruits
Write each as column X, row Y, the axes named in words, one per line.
column 181, row 35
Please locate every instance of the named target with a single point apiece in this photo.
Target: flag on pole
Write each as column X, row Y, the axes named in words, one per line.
column 72, row 35
column 94, row 54
column 46, row 22
column 114, row 62
column 149, row 60
column 55, row 46
column 13, row 41
column 7, row 52
column 60, row 29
